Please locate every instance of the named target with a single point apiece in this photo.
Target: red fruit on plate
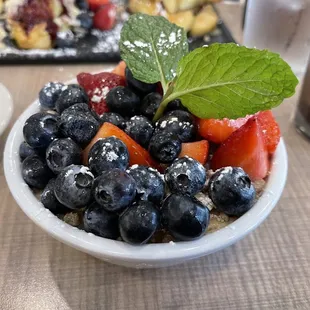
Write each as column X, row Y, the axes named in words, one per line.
column 218, row 130
column 104, row 18
column 270, row 129
column 245, row 148
column 97, row 87
column 94, row 5
column 198, row 150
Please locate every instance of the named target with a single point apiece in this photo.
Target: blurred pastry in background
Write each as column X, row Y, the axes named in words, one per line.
column 196, row 16
column 44, row 24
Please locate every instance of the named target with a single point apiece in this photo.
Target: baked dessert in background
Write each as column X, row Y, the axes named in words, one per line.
column 45, row 24
column 195, row 16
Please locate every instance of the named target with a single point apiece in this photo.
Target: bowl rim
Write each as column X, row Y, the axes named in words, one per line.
column 118, row 250
column 6, row 114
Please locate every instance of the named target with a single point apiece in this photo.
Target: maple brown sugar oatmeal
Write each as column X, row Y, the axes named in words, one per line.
column 149, row 185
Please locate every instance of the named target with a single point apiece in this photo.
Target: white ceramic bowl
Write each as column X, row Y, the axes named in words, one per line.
column 150, row 255
column 6, row 108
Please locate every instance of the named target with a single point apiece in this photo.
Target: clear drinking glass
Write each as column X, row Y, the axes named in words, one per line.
column 282, row 26
column 302, row 114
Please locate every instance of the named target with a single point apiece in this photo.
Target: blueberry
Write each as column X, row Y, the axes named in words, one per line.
column 35, row 172
column 113, row 118
column 86, row 21
column 150, row 104
column 137, row 86
column 8, row 41
column 26, row 150
column 81, row 4
column 150, row 185
column 49, row 94
column 175, row 105
column 78, row 123
column 108, row 153
column 101, row 222
column 185, row 176
column 140, row 129
column 65, row 39
column 180, row 123
column 50, row 201
column 70, row 95
column 231, row 191
column 41, row 129
column 114, row 190
column 165, row 147
column 139, row 222
column 62, row 153
column 122, row 100
column 73, row 186
column 184, row 217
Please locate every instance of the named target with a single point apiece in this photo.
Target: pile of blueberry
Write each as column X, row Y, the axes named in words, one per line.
column 117, row 200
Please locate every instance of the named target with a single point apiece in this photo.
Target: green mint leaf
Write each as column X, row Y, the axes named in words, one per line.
column 231, row 81
column 151, row 46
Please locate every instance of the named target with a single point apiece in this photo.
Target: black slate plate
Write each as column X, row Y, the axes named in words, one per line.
column 98, row 46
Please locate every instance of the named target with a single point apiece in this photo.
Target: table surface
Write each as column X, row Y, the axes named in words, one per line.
column 269, row 269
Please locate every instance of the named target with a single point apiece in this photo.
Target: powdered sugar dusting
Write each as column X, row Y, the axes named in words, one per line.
column 85, row 170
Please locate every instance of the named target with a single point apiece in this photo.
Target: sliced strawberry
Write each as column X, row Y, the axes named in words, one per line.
column 137, row 154
column 120, row 68
column 105, row 17
column 245, row 148
column 97, row 87
column 94, row 5
column 197, row 150
column 270, row 129
column 217, row 130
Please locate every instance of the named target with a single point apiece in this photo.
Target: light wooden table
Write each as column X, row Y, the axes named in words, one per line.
column 269, row 269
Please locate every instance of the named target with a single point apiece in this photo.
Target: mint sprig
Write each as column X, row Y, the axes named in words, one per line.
column 218, row 81
column 151, row 46
column 231, row 81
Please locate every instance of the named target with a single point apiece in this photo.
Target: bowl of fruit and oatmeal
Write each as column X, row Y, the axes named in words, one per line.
column 169, row 157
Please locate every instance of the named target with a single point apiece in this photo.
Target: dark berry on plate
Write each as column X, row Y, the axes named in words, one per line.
column 140, row 129
column 175, row 105
column 49, row 94
column 150, row 104
column 184, row 217
column 62, row 153
column 113, row 118
column 35, row 172
column 150, row 184
column 108, row 153
column 165, row 147
column 65, row 39
column 185, row 176
column 26, row 150
column 41, row 129
column 70, row 95
column 139, row 222
column 123, row 101
column 180, row 123
column 101, row 222
column 114, row 190
column 139, row 87
column 50, row 201
column 78, row 123
column 82, row 4
column 231, row 191
column 86, row 20
column 73, row 186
